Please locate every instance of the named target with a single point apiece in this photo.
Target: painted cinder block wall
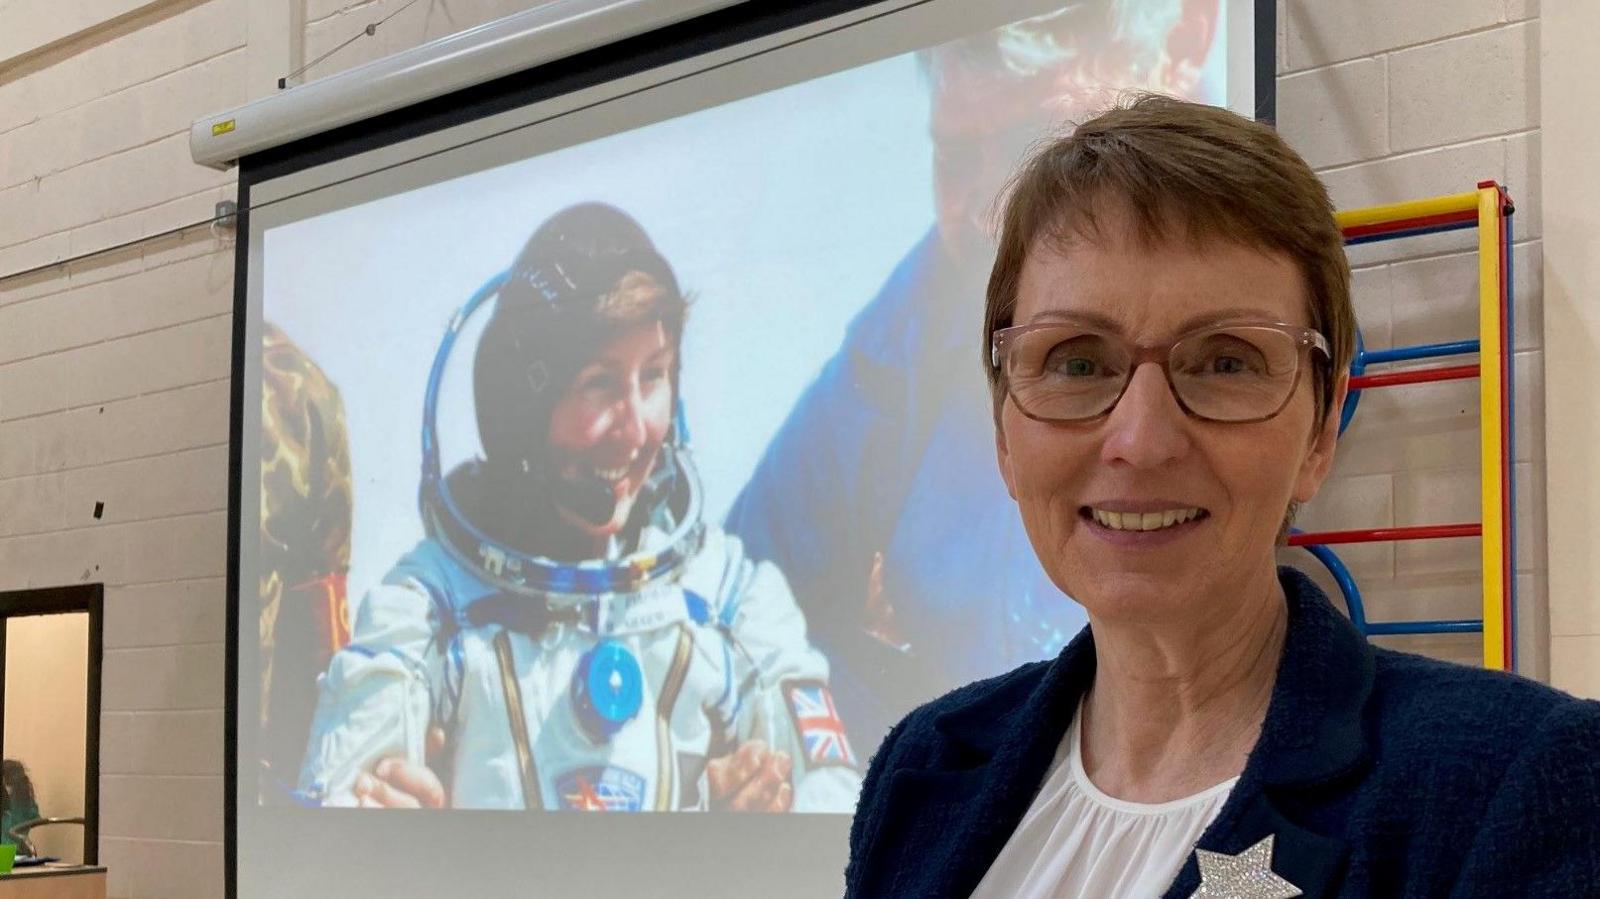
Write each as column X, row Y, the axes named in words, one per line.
column 114, row 371
column 1399, row 101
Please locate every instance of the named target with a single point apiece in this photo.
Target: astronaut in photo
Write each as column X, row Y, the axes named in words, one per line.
column 571, row 634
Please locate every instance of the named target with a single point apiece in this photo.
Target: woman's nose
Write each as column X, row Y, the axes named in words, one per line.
column 627, row 422
column 1147, row 428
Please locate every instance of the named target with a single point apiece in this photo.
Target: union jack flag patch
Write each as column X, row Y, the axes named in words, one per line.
column 817, row 722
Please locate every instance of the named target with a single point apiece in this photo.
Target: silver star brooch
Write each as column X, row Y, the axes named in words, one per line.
column 1247, row 875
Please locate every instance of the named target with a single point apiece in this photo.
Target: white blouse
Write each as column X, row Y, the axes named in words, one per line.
column 1077, row 841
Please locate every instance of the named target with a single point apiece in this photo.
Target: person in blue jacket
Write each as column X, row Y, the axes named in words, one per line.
column 1167, row 337
column 877, row 496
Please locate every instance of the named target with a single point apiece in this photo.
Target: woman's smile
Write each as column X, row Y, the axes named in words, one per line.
column 1143, row 525
column 623, row 476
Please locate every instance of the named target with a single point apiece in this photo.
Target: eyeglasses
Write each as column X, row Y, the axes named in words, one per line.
column 1236, row 372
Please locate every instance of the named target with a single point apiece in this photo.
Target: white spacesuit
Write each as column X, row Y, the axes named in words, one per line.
column 721, row 649
column 598, row 684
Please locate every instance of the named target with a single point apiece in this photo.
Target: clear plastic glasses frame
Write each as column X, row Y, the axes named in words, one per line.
column 1234, row 371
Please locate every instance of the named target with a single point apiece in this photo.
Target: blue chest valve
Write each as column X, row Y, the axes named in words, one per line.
column 607, row 689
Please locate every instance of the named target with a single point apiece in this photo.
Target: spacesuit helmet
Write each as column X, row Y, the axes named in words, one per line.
column 588, row 272
column 588, row 277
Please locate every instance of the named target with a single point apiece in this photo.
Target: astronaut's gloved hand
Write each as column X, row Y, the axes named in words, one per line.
column 755, row 778
column 398, row 783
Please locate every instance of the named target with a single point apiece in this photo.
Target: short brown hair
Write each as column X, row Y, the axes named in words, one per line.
column 1181, row 170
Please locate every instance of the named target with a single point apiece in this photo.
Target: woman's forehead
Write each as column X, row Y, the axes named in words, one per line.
column 1140, row 288
column 636, row 340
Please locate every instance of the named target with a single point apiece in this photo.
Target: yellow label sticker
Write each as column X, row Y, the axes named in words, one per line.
column 221, row 128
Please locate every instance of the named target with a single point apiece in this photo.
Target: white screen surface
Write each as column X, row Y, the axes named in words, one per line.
column 809, row 195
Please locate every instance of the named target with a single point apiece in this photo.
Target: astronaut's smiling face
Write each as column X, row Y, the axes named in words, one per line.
column 607, row 429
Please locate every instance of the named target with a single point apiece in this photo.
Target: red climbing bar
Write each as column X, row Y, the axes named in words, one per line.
column 1411, row 224
column 1382, row 535
column 1415, row 376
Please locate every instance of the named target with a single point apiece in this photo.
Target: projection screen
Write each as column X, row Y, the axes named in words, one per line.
column 614, row 438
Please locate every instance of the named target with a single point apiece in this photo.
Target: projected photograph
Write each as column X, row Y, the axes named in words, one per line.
column 656, row 472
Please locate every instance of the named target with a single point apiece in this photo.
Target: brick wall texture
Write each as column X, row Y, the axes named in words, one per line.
column 114, row 371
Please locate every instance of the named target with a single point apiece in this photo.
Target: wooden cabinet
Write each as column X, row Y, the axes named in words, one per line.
column 54, row 883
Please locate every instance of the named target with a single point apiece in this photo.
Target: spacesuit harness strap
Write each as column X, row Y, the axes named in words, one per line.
column 517, row 718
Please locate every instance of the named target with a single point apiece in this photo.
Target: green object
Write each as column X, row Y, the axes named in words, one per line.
column 8, row 857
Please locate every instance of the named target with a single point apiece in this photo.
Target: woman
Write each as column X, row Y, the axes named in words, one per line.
column 1167, row 333
column 17, row 803
column 571, row 635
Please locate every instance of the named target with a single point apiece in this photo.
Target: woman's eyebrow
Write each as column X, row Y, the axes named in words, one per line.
column 1092, row 319
column 1106, row 323
column 1236, row 313
column 614, row 364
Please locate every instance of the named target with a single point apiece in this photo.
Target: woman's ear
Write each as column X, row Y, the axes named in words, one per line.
column 1319, row 456
column 1003, row 453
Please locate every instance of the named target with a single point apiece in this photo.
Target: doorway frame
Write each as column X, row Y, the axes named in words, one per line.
column 65, row 600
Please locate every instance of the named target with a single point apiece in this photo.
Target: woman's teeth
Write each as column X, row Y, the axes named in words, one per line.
column 611, row 474
column 1144, row 521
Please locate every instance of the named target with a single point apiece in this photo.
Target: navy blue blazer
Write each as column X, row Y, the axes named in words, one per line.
column 1381, row 774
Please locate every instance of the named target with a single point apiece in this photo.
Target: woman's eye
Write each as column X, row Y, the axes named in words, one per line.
column 596, row 384
column 1228, row 365
column 1078, row 357
column 1078, row 368
column 653, row 374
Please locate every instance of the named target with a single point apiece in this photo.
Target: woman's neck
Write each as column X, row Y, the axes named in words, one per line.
column 1173, row 712
column 566, row 543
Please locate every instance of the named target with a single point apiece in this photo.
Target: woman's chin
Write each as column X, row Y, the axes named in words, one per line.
column 1092, row 558
column 1115, row 593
